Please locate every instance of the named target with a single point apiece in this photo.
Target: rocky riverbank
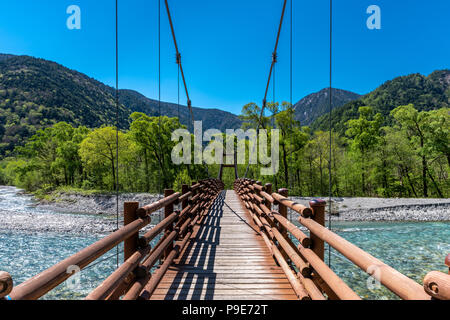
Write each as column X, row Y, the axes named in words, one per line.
column 343, row 209
column 98, row 204
column 387, row 209
column 67, row 213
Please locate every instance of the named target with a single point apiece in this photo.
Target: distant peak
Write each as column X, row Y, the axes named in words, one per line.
column 5, row 56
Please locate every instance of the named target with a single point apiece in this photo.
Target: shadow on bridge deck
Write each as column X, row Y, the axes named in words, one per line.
column 225, row 259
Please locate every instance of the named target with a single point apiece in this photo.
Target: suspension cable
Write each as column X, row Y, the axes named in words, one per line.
column 160, row 185
column 274, row 61
column 291, row 55
column 331, row 136
column 291, row 71
column 178, row 85
column 117, row 126
column 189, row 103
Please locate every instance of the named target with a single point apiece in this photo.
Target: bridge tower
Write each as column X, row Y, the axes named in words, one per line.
column 226, row 164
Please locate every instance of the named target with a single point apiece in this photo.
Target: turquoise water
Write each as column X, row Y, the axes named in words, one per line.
column 32, row 241
column 413, row 249
column 25, row 255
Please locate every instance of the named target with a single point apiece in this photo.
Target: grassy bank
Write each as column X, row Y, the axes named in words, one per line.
column 55, row 194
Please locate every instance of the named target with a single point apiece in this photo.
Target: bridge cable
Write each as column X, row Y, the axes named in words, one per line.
column 273, row 121
column 160, row 184
column 291, row 67
column 331, row 135
column 180, row 67
column 274, row 61
column 117, row 126
column 189, row 103
column 291, row 56
column 178, row 86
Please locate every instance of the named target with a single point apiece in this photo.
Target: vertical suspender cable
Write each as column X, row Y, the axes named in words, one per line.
column 159, row 57
column 273, row 118
column 117, row 126
column 179, row 93
column 273, row 84
column 331, row 101
column 291, row 81
column 291, row 55
column 178, row 97
column 159, row 89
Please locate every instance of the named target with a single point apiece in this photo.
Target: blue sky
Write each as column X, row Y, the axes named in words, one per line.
column 226, row 46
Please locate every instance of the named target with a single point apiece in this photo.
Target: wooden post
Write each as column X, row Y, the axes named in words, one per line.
column 168, row 210
column 283, row 210
column 236, row 174
column 184, row 190
column 184, row 204
column 129, row 215
column 268, row 189
column 318, row 208
column 447, row 262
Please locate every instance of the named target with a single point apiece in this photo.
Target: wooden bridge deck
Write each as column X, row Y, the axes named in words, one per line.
column 226, row 259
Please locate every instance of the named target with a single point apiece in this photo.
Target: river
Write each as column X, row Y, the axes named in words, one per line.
column 32, row 240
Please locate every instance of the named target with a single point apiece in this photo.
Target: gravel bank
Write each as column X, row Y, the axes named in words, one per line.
column 95, row 204
column 344, row 209
column 71, row 213
column 383, row 209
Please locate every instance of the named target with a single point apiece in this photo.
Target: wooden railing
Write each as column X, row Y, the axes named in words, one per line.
column 304, row 263
column 134, row 278
column 437, row 284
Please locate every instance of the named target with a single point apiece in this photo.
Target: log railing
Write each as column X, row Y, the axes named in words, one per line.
column 134, row 278
column 437, row 284
column 304, row 263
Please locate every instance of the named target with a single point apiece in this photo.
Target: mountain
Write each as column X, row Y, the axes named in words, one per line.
column 317, row 104
column 425, row 92
column 211, row 118
column 4, row 57
column 36, row 93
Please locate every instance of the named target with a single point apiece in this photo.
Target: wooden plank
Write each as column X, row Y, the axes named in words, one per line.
column 231, row 297
column 228, row 286
column 231, row 275
column 227, row 291
column 231, row 281
column 225, row 259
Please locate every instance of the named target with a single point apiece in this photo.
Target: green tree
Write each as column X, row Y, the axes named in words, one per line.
column 428, row 132
column 153, row 136
column 292, row 137
column 365, row 133
column 251, row 117
column 98, row 151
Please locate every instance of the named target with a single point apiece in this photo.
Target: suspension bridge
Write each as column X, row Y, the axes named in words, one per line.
column 216, row 244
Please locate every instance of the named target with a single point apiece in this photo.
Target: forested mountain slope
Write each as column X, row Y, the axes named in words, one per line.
column 317, row 104
column 36, row 93
column 425, row 92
